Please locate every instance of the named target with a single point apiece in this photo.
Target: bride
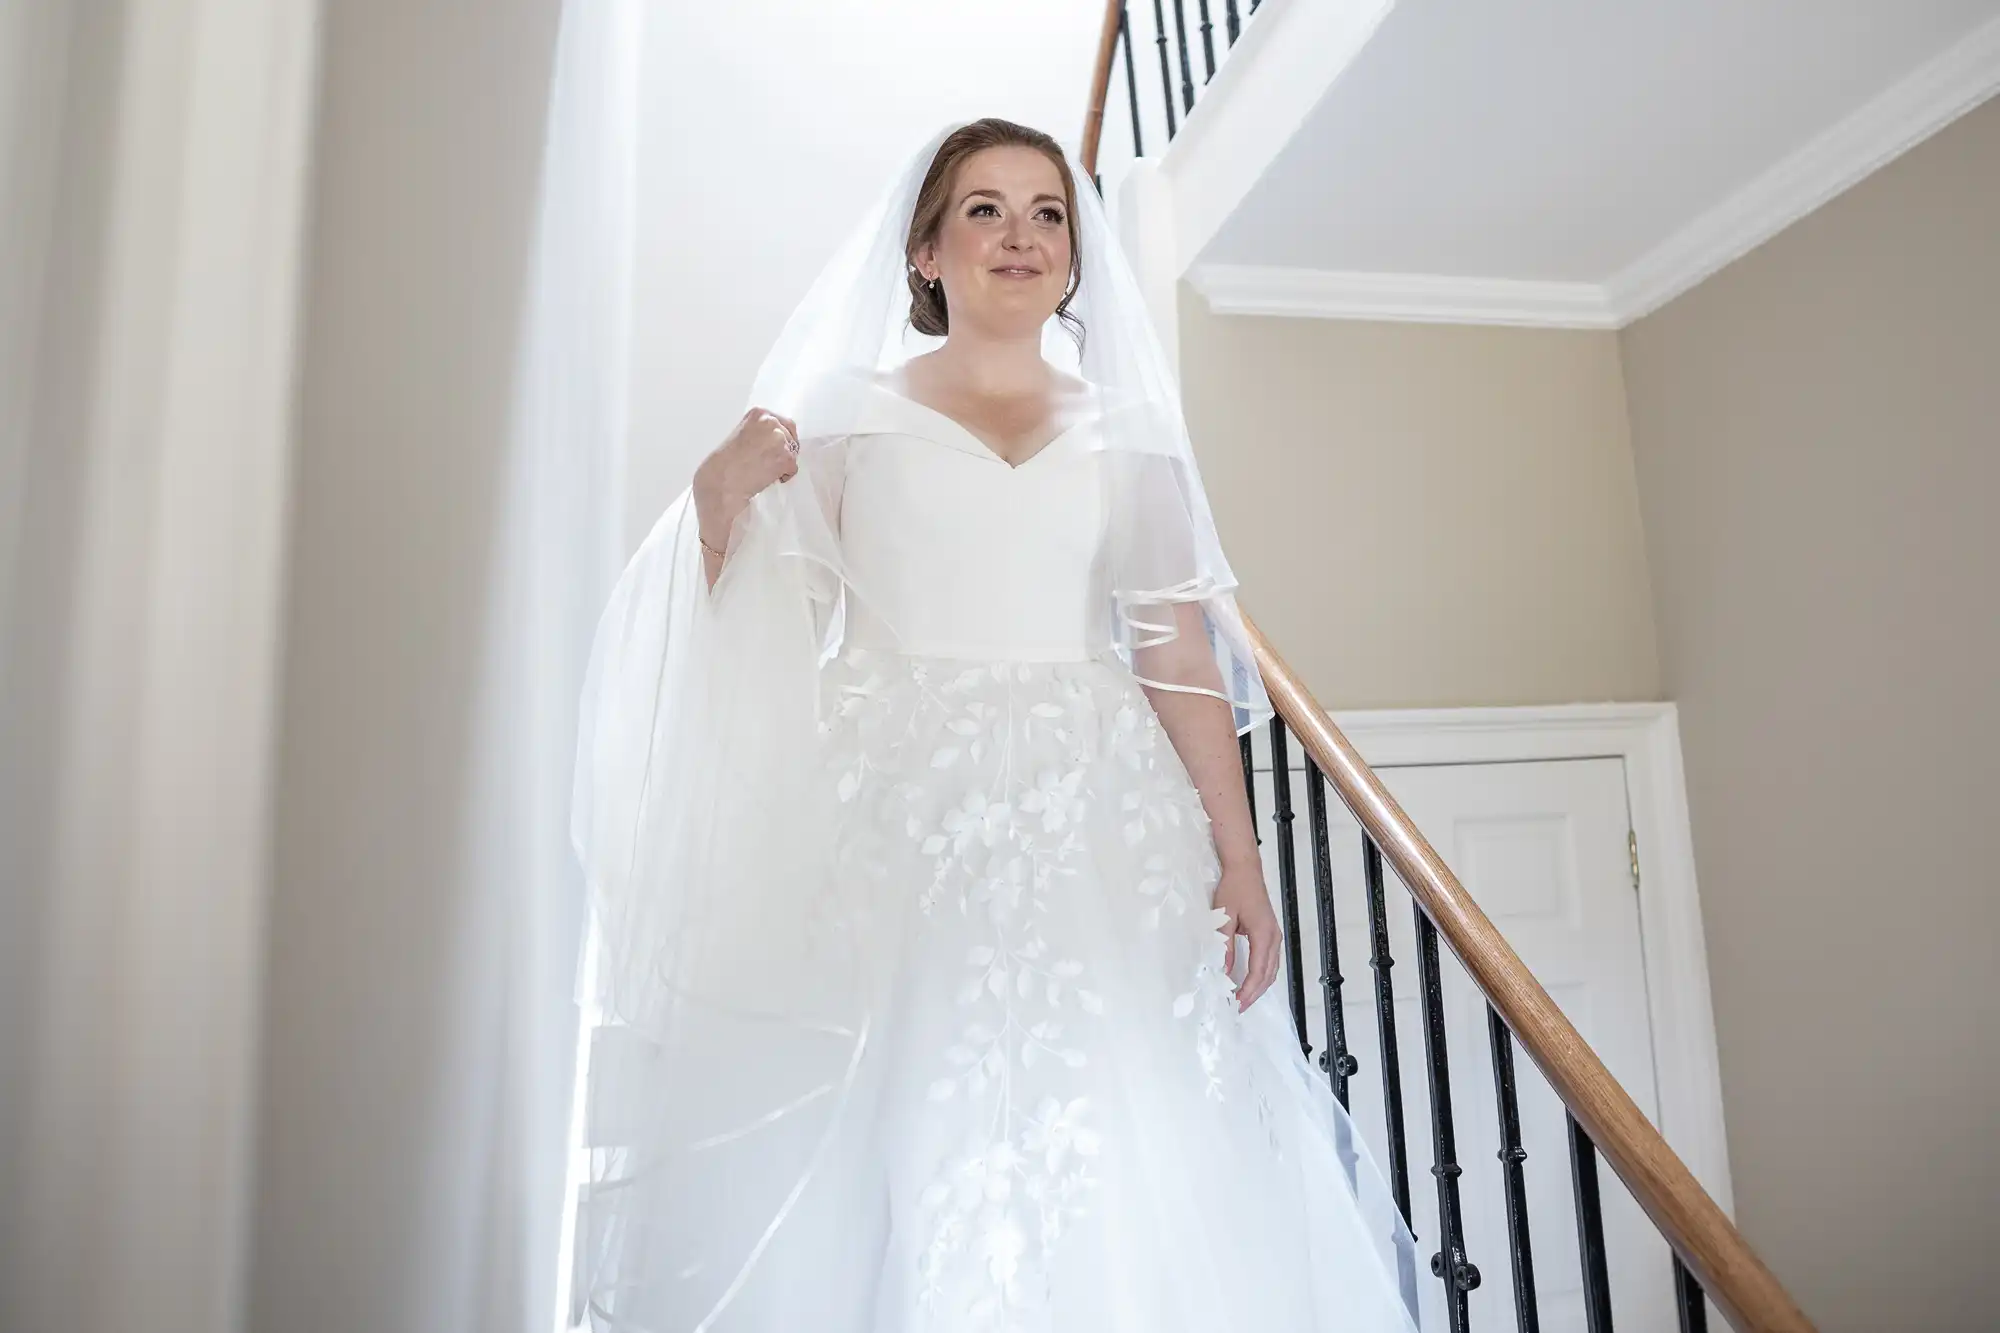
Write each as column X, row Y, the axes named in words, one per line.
column 928, row 914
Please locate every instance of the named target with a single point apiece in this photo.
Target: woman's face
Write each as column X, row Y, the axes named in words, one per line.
column 1002, row 248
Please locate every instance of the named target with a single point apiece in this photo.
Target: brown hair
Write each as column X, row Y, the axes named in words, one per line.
column 928, row 314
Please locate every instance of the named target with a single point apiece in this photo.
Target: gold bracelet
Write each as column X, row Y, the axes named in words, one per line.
column 719, row 555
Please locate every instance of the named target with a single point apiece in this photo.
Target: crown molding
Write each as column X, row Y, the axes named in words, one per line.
column 1904, row 115
column 1245, row 289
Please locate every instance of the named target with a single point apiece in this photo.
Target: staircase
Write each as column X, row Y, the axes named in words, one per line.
column 1710, row 1260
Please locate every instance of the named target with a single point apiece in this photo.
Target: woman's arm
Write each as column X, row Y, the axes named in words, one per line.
column 1202, row 729
column 762, row 449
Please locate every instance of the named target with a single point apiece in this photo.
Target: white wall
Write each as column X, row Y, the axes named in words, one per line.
column 769, row 126
column 375, row 1196
column 34, row 62
column 34, row 45
column 158, row 142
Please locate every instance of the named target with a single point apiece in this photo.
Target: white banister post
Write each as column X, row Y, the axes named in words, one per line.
column 1144, row 216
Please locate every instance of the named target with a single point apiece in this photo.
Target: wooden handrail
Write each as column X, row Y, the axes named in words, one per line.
column 1100, row 84
column 1708, row 1243
column 1746, row 1292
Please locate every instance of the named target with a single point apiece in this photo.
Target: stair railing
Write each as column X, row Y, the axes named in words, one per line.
column 1170, row 95
column 1709, row 1255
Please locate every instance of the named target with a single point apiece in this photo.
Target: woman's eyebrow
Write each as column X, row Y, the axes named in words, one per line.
column 995, row 194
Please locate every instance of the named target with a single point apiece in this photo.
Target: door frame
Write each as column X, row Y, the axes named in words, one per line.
column 1646, row 737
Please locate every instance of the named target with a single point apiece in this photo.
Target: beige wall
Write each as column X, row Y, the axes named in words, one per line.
column 1819, row 459
column 1453, row 519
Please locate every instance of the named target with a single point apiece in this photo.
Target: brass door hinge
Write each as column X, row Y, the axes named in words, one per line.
column 1632, row 846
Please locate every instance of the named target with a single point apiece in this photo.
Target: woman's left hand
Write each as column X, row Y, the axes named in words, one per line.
column 1242, row 895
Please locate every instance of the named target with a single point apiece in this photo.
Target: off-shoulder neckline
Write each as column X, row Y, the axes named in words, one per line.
column 963, row 436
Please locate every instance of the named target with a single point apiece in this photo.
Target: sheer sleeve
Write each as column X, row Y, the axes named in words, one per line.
column 1173, row 607
column 703, row 827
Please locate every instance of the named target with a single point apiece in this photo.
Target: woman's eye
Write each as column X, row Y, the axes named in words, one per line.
column 1053, row 216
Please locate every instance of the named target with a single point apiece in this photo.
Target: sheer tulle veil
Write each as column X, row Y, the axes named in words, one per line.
column 733, row 987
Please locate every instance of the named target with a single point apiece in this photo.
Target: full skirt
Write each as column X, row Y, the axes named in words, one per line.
column 1060, row 1123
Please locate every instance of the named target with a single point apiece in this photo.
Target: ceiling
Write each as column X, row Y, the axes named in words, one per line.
column 1589, row 146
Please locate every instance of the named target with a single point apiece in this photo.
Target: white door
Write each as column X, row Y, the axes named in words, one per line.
column 1543, row 848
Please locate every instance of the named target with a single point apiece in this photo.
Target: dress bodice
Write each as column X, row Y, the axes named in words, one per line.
column 953, row 552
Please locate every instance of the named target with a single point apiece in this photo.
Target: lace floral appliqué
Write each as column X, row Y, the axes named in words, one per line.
column 1019, row 795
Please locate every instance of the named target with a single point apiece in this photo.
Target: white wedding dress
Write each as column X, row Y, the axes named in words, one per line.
column 1061, row 1124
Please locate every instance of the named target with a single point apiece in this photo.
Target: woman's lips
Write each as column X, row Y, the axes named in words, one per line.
column 1017, row 272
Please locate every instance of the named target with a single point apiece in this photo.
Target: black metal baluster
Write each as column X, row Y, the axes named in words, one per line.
column 1131, row 77
column 1207, row 42
column 1335, row 1060
column 1449, row 1264
column 1527, row 1313
column 1589, row 1230
column 1187, row 70
column 1244, row 746
column 1166, row 74
column 1234, row 23
column 1380, row 963
column 1688, row 1298
column 1288, row 878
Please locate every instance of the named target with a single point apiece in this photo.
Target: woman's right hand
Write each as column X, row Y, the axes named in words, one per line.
column 762, row 449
